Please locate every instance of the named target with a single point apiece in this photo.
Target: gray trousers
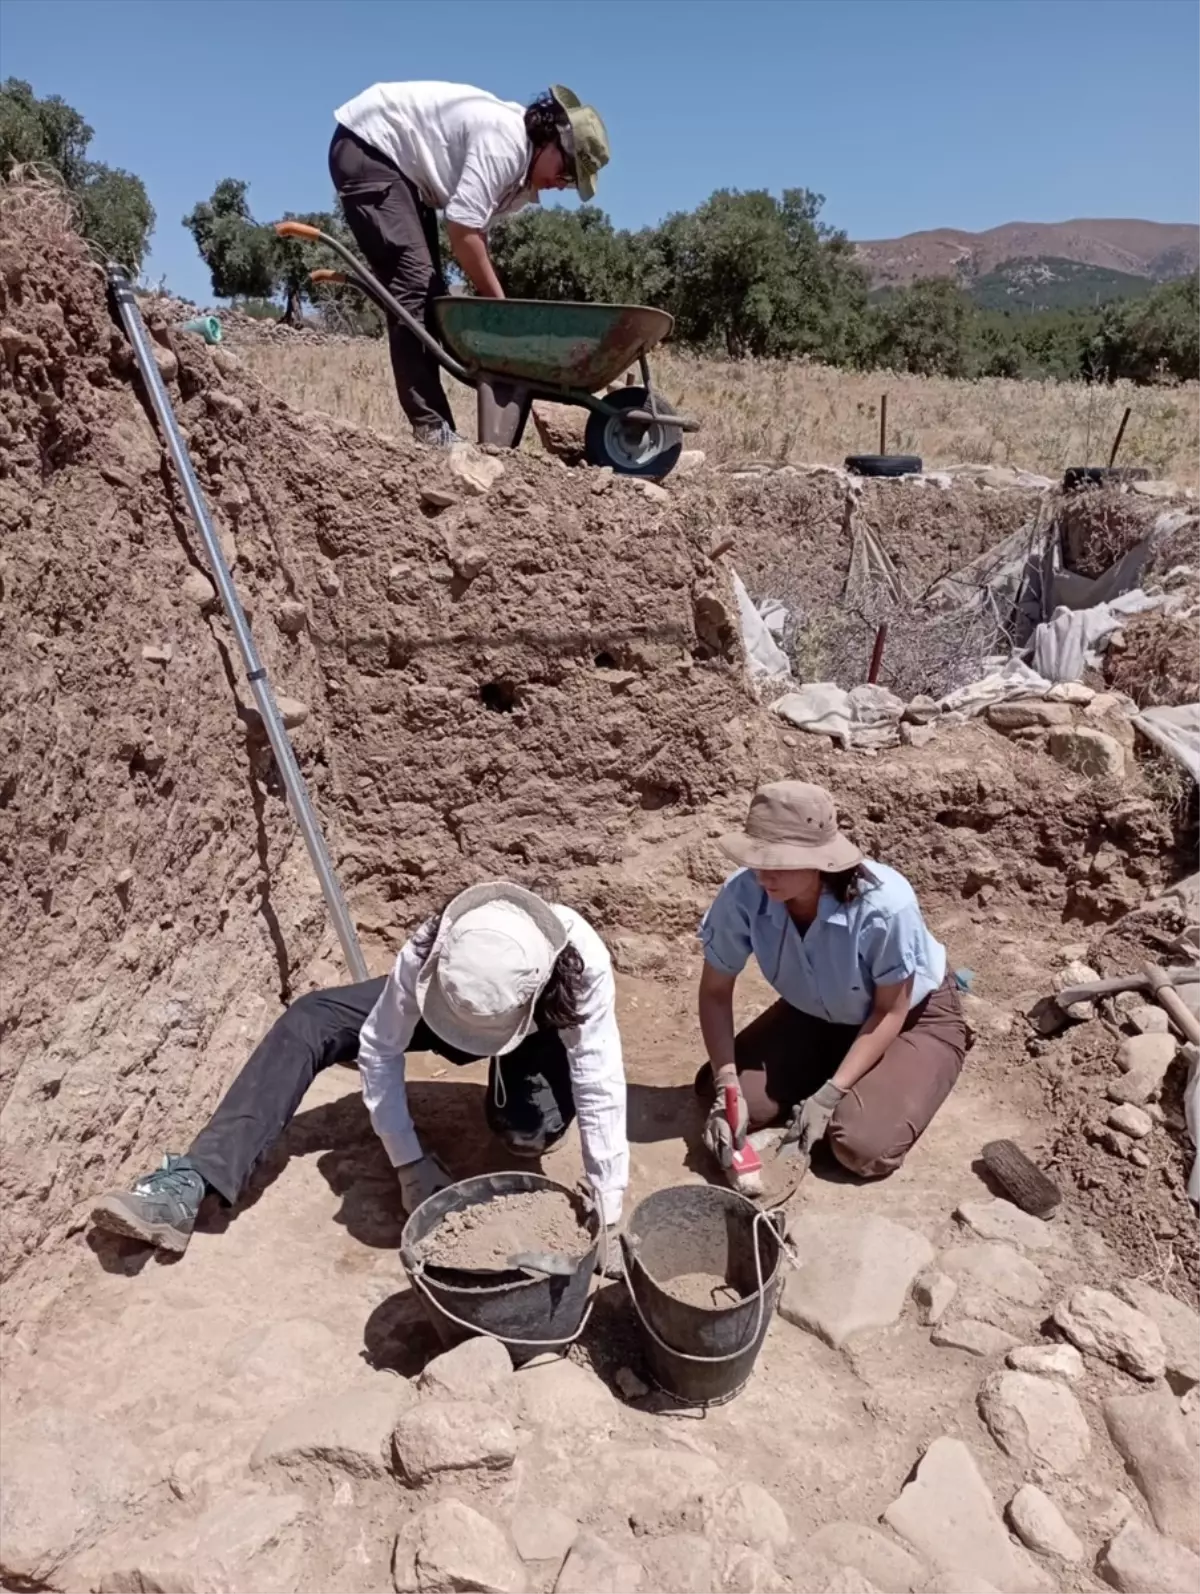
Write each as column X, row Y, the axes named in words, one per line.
column 397, row 232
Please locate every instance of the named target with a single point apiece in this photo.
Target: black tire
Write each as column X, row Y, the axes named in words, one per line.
column 653, row 452
column 1078, row 476
column 884, row 464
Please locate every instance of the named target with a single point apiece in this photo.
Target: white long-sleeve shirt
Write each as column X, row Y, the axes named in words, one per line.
column 466, row 151
column 593, row 1057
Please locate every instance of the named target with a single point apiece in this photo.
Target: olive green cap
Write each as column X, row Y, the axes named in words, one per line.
column 587, row 144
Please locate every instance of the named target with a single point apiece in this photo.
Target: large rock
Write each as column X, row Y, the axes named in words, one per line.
column 246, row 1540
column 1041, row 1525
column 1037, row 1421
column 1049, row 1361
column 997, row 1270
column 854, row 1274
column 1006, row 1223
column 1103, row 1325
column 747, row 1514
column 64, row 1477
column 977, row 1339
column 1140, row 1561
column 1130, row 1120
column 1150, row 1433
column 594, row 1567
column 748, row 1572
column 476, row 473
column 347, row 1432
column 440, row 1436
column 949, row 1517
column 451, row 1547
column 932, row 1291
column 878, row 1558
column 1144, row 1061
column 565, row 1399
column 478, row 1369
column 1178, row 1325
column 680, row 1561
column 1088, row 752
column 1008, row 717
column 656, row 1490
column 542, row 1533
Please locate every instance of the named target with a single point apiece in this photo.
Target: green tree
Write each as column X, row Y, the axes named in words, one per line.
column 565, row 254
column 247, row 259
column 1157, row 336
column 925, row 328
column 112, row 206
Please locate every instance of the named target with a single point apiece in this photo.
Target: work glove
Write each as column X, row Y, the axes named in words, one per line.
column 811, row 1118
column 719, row 1137
column 419, row 1180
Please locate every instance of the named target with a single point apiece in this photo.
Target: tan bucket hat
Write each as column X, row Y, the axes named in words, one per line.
column 495, row 951
column 792, row 825
column 584, row 139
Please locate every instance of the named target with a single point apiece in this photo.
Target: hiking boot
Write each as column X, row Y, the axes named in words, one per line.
column 440, row 435
column 160, row 1209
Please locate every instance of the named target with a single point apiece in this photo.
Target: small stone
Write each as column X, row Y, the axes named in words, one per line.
column 1140, row 1561
column 158, row 653
column 1020, row 716
column 328, row 580
column 476, row 473
column 349, row 1432
column 478, row 1369
column 656, row 494
column 630, row 1385
column 690, row 459
column 917, row 735
column 1189, row 1410
column 749, row 1573
column 1101, row 1324
column 167, row 361
column 541, row 1533
column 467, row 563
column 1036, row 1421
column 225, row 403
column 1041, row 1525
column 868, row 1551
column 749, row 1515
column 594, row 1567
column 1148, row 1020
column 1048, row 1361
column 1091, row 753
column 853, row 1274
column 198, row 589
column 437, row 498
column 1146, row 1051
column 985, row 1018
column 933, row 1292
column 1130, row 1120
column 439, row 1436
column 291, row 617
column 564, row 1398
column 1138, row 1157
column 978, row 1339
column 1178, row 1324
column 921, row 710
column 1004, row 1222
column 948, row 1516
column 998, row 1269
column 450, row 1547
column 1152, row 1439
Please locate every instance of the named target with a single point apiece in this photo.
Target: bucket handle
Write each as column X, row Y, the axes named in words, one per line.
column 505, row 1339
column 772, row 1220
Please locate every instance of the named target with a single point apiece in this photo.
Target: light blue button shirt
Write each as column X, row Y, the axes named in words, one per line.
column 831, row 970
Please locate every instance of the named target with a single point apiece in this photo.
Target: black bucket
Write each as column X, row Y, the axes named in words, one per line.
column 702, row 1355
column 529, row 1312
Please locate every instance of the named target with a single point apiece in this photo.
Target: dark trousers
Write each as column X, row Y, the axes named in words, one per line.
column 398, row 234
column 529, row 1100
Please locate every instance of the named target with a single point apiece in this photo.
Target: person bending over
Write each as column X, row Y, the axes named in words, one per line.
column 404, row 151
column 498, row 973
column 867, row 1038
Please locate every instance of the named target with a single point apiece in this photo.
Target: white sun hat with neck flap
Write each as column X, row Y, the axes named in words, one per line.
column 494, row 953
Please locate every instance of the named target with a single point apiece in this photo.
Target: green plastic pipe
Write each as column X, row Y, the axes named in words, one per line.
column 207, row 326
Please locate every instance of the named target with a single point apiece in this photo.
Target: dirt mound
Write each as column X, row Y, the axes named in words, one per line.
column 494, row 687
column 1159, row 661
column 486, row 1236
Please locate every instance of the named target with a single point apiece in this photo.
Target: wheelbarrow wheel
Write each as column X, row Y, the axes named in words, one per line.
column 629, row 448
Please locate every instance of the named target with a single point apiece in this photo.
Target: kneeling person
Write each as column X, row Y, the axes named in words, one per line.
column 499, row 974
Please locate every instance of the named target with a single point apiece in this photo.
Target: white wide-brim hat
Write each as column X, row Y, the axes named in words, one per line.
column 495, row 951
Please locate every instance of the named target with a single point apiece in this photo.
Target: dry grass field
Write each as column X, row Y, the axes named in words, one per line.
column 802, row 413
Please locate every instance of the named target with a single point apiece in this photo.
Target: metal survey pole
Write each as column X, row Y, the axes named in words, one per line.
column 293, row 780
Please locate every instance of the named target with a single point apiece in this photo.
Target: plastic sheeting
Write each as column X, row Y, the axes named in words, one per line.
column 864, row 717
column 768, row 661
column 1072, row 639
column 1176, row 730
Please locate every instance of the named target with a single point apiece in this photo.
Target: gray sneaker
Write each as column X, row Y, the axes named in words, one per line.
column 441, row 435
column 160, row 1209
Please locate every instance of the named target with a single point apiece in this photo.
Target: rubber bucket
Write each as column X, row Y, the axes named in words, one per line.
column 529, row 1312
column 702, row 1355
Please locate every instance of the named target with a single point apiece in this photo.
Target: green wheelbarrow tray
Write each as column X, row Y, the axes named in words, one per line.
column 512, row 351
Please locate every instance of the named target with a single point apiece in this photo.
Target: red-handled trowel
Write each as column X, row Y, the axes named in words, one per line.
column 746, row 1164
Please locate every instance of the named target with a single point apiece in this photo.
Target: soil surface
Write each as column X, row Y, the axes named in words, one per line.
column 487, row 1235
column 703, row 1289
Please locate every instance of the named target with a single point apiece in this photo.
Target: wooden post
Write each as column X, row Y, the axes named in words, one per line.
column 1112, row 458
column 883, row 425
column 877, row 654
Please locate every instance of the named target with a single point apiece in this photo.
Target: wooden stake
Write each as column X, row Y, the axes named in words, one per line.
column 1112, row 458
column 883, row 425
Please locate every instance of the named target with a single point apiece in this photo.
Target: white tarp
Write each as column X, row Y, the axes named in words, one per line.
column 1176, row 730
column 1072, row 639
column 864, row 717
column 768, row 661
column 1013, row 682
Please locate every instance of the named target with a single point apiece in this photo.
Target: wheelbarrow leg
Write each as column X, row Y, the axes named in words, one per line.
column 502, row 410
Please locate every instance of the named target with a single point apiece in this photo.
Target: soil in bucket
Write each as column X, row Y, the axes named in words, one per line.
column 704, row 1289
column 485, row 1235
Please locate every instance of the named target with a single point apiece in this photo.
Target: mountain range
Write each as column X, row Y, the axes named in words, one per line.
column 1154, row 250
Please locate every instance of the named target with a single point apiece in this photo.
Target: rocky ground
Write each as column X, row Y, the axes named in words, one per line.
column 504, row 667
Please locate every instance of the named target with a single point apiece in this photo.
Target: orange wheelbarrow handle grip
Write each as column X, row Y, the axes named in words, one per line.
column 297, row 229
column 323, row 274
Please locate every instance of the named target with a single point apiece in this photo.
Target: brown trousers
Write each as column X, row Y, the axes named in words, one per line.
column 398, row 233
column 785, row 1055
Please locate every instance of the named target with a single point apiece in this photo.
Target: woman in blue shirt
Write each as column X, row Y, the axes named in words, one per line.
column 867, row 1038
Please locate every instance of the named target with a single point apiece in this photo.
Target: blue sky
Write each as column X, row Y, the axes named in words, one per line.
column 905, row 114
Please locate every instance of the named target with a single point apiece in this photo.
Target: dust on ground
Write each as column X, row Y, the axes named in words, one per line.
column 489, row 1233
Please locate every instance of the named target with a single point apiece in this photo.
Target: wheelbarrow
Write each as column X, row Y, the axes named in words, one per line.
column 512, row 351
